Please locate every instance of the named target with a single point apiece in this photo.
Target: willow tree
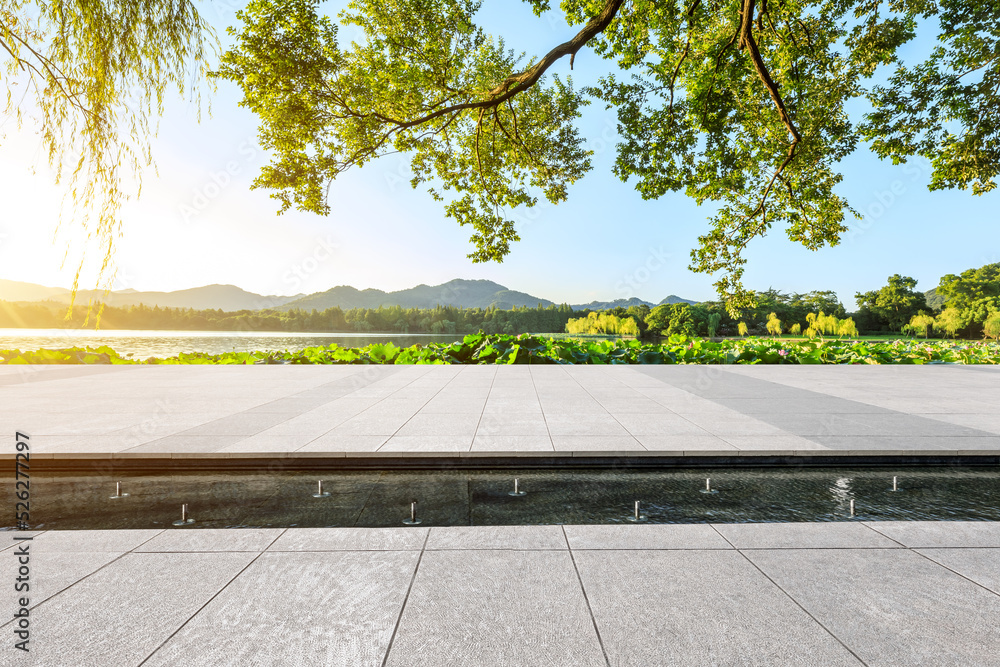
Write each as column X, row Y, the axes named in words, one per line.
column 91, row 78
column 740, row 103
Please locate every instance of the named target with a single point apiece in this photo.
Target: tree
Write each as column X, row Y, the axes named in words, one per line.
column 991, row 327
column 742, row 329
column 895, row 304
column 94, row 75
column 922, row 323
column 949, row 321
column 773, row 325
column 974, row 294
column 741, row 103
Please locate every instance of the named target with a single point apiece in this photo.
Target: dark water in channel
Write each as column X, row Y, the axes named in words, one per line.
column 463, row 498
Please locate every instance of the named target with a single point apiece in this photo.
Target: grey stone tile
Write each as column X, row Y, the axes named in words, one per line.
column 299, row 609
column 917, row 534
column 512, row 443
column 188, row 443
column 771, row 442
column 427, row 443
column 596, row 443
column 980, row 565
column 109, row 541
column 698, row 607
column 659, row 424
column 680, row 443
column 890, row 606
column 501, row 424
column 351, row 539
column 212, row 539
column 496, row 608
column 269, row 443
column 51, row 572
column 345, row 443
column 441, row 424
column 497, row 537
column 805, row 535
column 121, row 613
column 652, row 536
column 564, row 424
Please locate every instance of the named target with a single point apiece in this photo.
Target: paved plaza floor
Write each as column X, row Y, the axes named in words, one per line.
column 785, row 594
column 853, row 593
column 236, row 411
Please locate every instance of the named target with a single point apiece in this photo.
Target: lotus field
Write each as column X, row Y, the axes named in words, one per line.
column 529, row 349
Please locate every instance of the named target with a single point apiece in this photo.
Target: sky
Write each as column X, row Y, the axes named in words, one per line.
column 198, row 223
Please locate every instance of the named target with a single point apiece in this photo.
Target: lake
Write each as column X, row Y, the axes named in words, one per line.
column 150, row 343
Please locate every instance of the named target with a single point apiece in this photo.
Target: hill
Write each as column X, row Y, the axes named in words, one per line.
column 459, row 293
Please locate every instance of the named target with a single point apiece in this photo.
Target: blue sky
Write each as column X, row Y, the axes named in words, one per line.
column 198, row 223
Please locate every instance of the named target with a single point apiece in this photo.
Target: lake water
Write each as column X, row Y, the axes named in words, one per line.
column 144, row 344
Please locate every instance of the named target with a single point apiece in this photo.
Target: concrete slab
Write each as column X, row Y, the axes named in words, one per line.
column 212, row 539
column 124, row 611
column 891, row 607
column 485, row 608
column 713, row 607
column 979, row 565
column 920, row 534
column 686, row 536
column 330, row 609
column 520, row 538
column 351, row 539
column 803, row 536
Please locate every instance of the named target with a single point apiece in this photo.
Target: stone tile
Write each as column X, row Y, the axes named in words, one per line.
column 269, row 443
column 980, row 565
column 345, row 443
column 771, row 442
column 650, row 536
column 492, row 424
column 329, row 609
column 212, row 539
column 441, row 424
column 351, row 539
column 596, row 443
column 496, row 608
column 104, row 541
column 427, row 443
column 512, row 443
column 890, row 606
column 659, row 424
column 918, row 534
column 698, row 607
column 188, row 443
column 523, row 538
column 681, row 443
column 564, row 424
column 120, row 614
column 51, row 572
column 805, row 535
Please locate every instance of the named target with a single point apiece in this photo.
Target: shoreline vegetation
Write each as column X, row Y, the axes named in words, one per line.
column 482, row 348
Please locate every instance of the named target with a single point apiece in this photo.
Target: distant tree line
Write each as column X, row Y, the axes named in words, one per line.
column 391, row 319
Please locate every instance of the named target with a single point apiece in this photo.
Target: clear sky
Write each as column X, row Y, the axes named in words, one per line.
column 198, row 222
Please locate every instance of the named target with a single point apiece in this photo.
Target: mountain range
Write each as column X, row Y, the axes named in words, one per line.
column 459, row 293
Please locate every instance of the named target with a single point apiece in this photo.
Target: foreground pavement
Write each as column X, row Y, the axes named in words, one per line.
column 852, row 593
column 233, row 411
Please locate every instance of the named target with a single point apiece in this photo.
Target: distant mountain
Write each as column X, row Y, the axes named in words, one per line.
column 607, row 305
column 210, row 297
column 12, row 290
column 934, row 299
column 459, row 293
column 673, row 298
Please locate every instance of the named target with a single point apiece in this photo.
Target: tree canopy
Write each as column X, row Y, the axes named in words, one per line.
column 740, row 103
column 893, row 305
column 91, row 76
